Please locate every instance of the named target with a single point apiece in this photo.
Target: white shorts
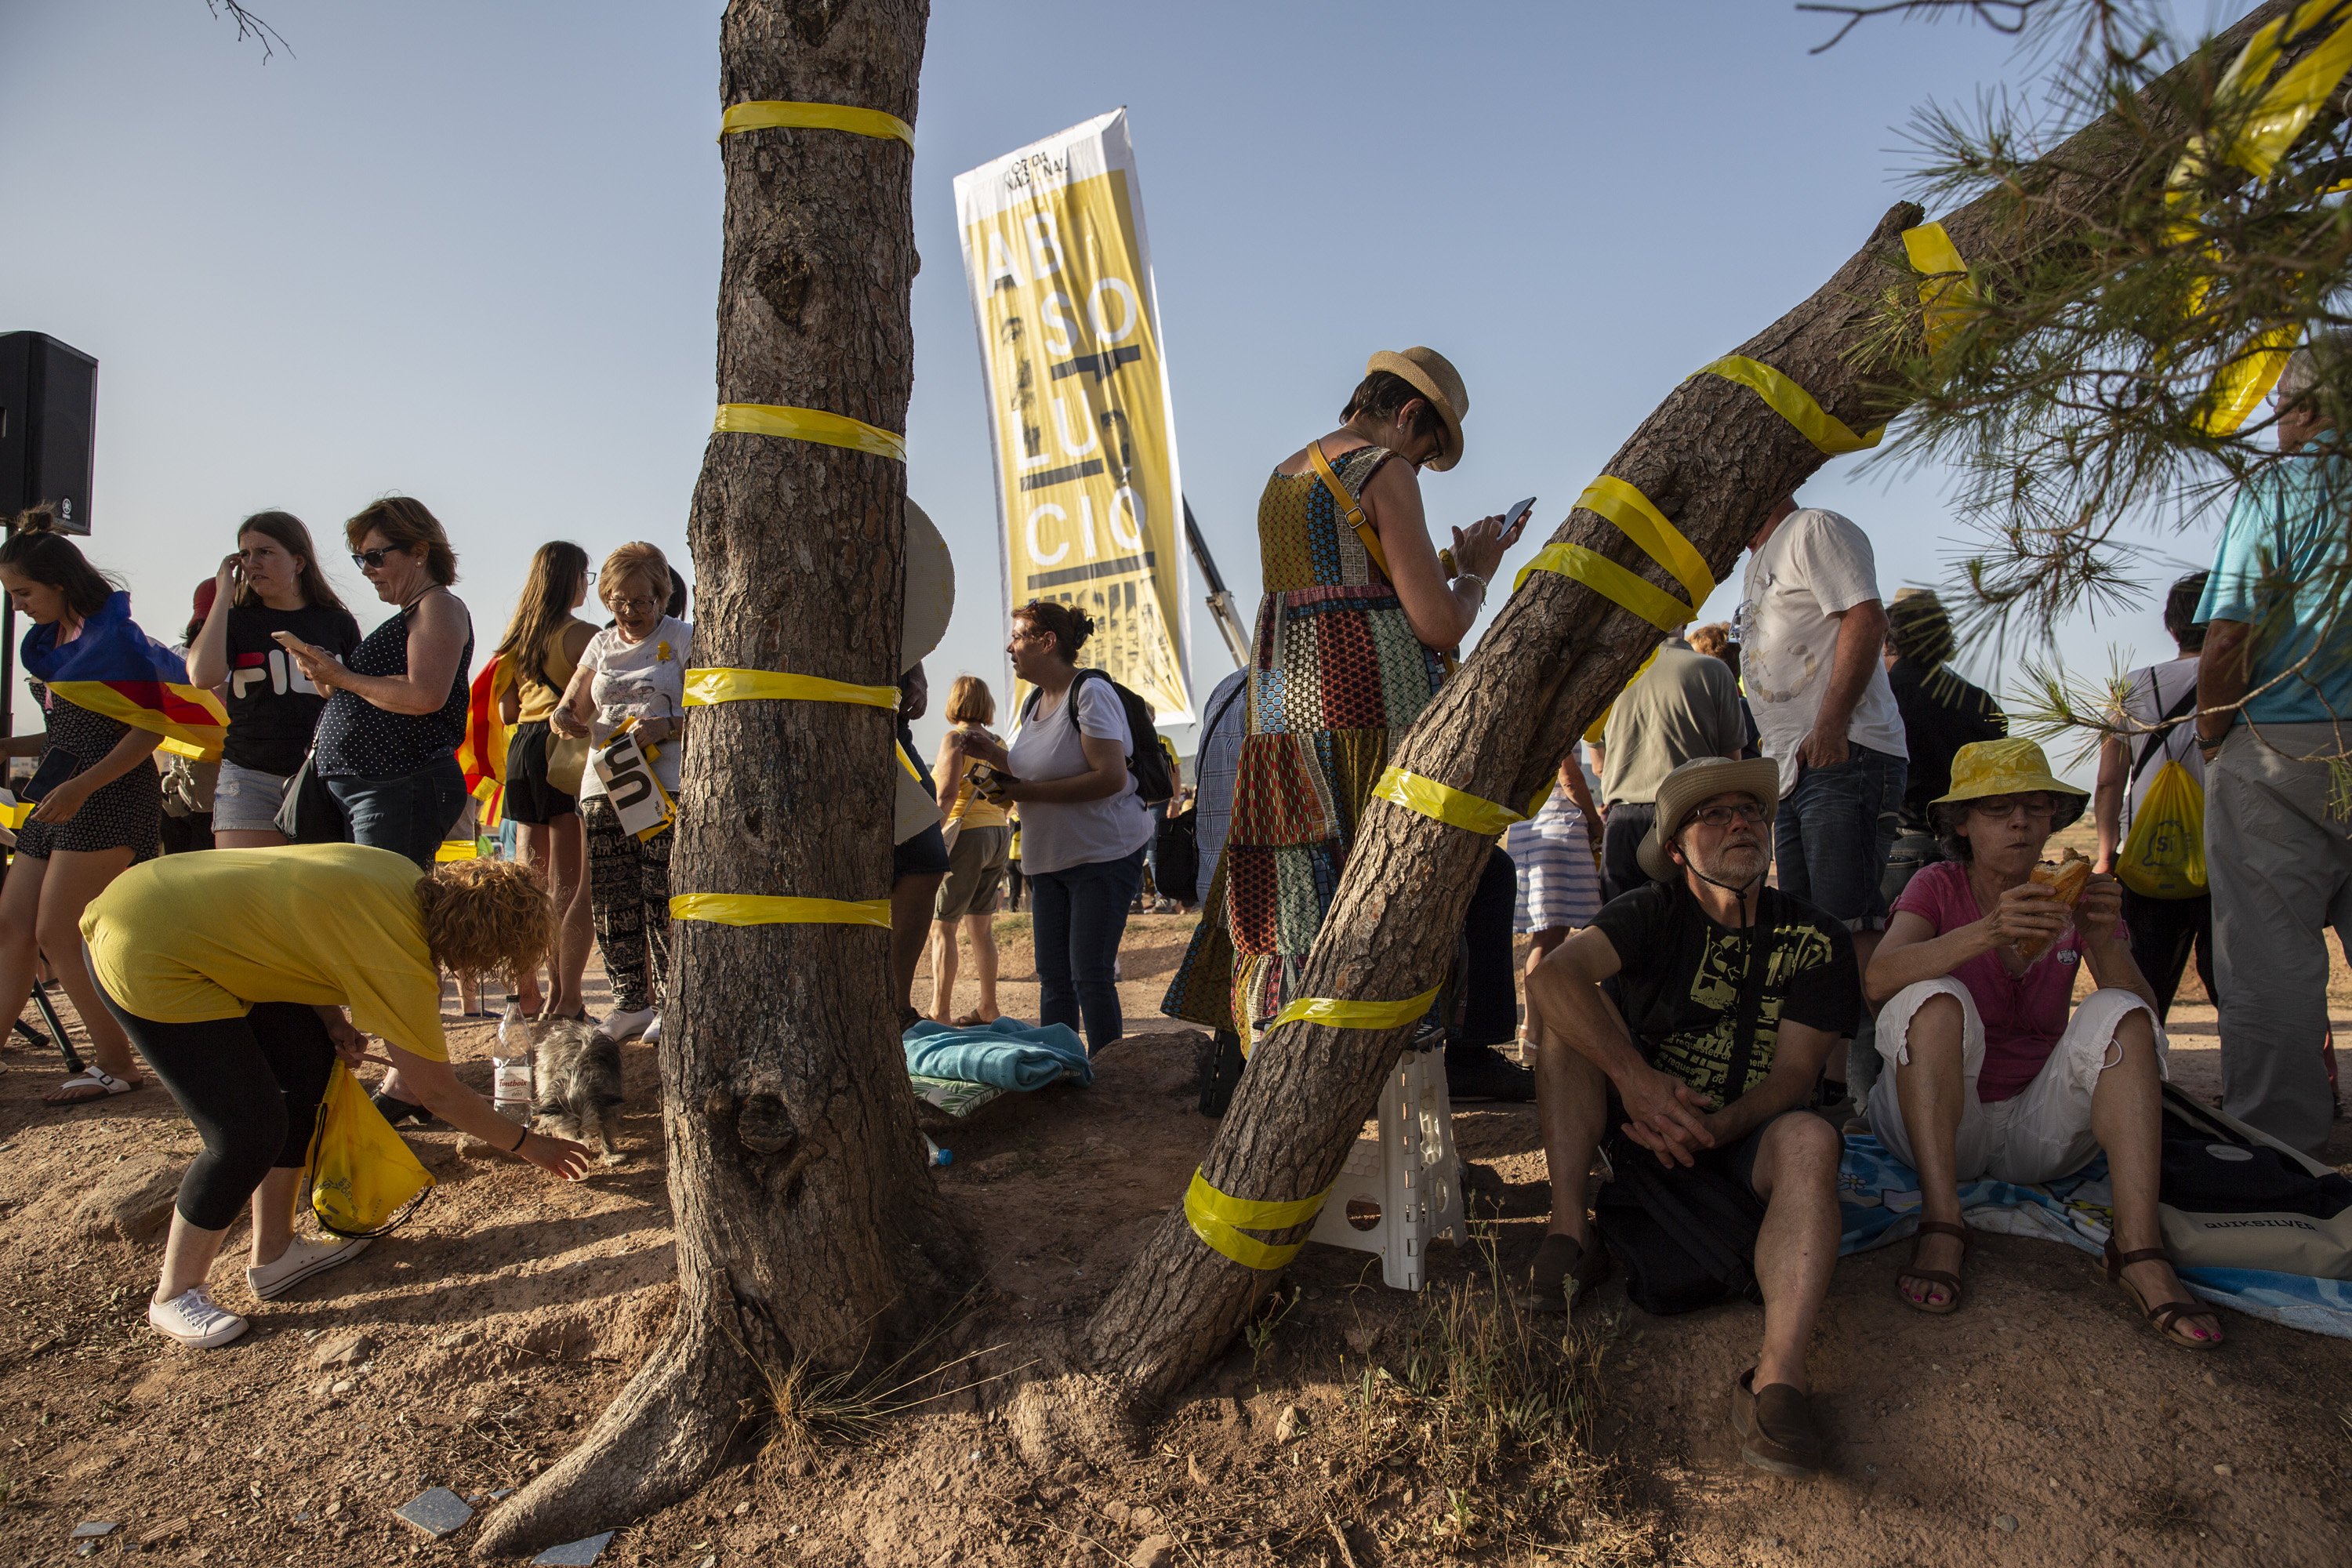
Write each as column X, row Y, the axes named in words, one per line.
column 2040, row 1132
column 246, row 800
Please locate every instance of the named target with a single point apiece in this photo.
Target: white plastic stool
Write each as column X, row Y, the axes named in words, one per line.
column 1401, row 1190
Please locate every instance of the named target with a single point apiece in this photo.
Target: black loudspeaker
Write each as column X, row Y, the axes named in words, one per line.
column 48, row 412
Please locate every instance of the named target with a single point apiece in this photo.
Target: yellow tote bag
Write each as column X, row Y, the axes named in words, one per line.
column 363, row 1178
column 2165, row 855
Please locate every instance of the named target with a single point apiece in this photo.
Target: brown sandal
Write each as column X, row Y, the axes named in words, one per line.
column 1950, row 1281
column 2166, row 1316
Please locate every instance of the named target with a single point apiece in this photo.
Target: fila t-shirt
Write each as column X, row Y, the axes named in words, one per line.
column 272, row 708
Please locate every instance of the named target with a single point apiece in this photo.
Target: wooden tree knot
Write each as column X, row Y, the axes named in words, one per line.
column 784, row 277
column 765, row 1126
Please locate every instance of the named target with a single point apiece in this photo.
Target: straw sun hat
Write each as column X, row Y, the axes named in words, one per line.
column 1984, row 768
column 1692, row 786
column 1432, row 375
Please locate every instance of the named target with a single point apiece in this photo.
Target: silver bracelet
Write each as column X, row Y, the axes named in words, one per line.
column 1462, row 577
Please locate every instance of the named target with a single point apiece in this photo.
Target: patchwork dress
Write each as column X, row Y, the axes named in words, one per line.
column 1336, row 674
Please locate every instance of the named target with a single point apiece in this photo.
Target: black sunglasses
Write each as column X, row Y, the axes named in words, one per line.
column 366, row 558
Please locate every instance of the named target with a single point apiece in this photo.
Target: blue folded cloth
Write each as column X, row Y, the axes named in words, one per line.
column 1008, row 1053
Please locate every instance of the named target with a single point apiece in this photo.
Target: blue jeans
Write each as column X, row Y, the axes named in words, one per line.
column 408, row 813
column 1078, row 914
column 1830, row 841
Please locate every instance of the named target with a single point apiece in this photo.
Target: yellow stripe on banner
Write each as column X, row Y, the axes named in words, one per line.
column 809, row 424
column 1354, row 1015
column 1611, row 581
column 707, row 688
column 1942, row 296
column 764, row 114
column 1456, row 808
column 760, row 910
column 1215, row 1217
column 1828, row 434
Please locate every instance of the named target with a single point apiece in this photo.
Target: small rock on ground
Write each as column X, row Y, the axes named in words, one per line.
column 436, row 1512
column 1290, row 1426
column 346, row 1348
column 577, row 1554
column 1153, row 1551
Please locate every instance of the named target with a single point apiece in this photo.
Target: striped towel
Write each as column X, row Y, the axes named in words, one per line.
column 1559, row 880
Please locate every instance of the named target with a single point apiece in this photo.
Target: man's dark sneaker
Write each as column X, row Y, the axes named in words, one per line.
column 400, row 1112
column 1563, row 1270
column 1776, row 1427
column 1482, row 1072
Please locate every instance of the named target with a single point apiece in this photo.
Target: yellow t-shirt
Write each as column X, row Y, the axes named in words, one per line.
column 190, row 938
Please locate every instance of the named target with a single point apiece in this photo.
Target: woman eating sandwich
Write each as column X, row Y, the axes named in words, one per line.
column 1987, row 1075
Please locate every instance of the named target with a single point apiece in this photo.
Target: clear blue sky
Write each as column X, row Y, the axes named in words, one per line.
column 470, row 252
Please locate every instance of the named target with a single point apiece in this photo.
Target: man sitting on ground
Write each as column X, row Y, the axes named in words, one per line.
column 1723, row 999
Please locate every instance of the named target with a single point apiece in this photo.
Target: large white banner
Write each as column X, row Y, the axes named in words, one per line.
column 1088, row 495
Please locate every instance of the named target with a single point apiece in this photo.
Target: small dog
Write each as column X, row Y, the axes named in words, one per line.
column 575, row 1082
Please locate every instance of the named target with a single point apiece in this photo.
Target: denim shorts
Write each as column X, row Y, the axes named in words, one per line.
column 246, row 800
column 1834, row 832
column 408, row 813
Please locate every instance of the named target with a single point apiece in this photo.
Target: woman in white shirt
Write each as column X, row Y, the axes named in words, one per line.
column 634, row 670
column 1083, row 828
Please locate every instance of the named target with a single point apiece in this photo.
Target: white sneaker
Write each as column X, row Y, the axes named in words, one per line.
column 652, row 1036
column 196, row 1320
column 300, row 1261
column 620, row 1026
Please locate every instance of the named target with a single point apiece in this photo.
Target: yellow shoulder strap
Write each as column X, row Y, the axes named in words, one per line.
column 1349, row 505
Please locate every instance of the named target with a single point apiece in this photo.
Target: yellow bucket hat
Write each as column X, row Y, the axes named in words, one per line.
column 1983, row 768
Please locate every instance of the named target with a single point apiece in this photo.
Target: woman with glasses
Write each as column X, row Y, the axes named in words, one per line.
column 386, row 746
column 273, row 583
column 632, row 675
column 1986, row 1072
column 1359, row 612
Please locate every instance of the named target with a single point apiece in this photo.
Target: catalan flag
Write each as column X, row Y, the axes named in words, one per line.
column 482, row 754
column 113, row 667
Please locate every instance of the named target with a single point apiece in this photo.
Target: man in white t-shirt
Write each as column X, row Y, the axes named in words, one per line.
column 2158, row 710
column 1812, row 630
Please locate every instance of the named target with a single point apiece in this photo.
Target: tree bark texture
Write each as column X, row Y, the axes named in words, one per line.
column 1714, row 460
column 809, row 1228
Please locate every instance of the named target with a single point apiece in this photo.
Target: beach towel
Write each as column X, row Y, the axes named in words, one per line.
column 1007, row 1053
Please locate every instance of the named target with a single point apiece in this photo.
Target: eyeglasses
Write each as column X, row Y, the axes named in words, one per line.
column 619, row 605
column 2038, row 808
column 1720, row 817
column 369, row 560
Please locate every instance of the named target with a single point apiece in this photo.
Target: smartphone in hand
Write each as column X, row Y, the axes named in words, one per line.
column 1514, row 521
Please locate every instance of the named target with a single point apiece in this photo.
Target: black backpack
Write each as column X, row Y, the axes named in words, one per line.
column 1146, row 762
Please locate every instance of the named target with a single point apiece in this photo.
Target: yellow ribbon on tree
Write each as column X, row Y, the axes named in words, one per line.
column 1456, row 808
column 1217, row 1218
column 1640, row 520
column 1944, row 298
column 1354, row 1015
column 764, row 114
column 761, row 909
column 809, row 424
column 1828, row 434
column 709, row 686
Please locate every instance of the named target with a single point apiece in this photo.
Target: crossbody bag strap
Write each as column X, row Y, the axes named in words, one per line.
column 2164, row 727
column 1750, row 1004
column 1352, row 508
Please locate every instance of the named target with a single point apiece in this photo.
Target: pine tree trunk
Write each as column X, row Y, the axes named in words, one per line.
column 1714, row 460
column 809, row 1229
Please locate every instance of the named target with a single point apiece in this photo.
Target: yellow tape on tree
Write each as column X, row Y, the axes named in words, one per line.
column 1216, row 1218
column 1354, row 1015
column 1456, row 808
column 1828, row 434
column 706, row 687
column 1611, row 581
column 1943, row 297
column 809, row 424
column 760, row 910
column 775, row 113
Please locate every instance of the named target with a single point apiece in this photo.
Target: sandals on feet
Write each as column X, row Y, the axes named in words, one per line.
column 98, row 1083
column 1561, row 1262
column 2166, row 1316
column 1950, row 1281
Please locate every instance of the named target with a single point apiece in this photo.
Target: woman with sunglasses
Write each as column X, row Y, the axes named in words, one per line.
column 1986, row 1074
column 273, row 583
column 386, row 745
column 1359, row 614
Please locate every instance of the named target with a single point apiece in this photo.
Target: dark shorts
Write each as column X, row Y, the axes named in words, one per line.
column 924, row 854
column 1834, row 832
column 530, row 797
column 1738, row 1160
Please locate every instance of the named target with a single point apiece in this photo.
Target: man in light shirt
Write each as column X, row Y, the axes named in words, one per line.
column 1812, row 630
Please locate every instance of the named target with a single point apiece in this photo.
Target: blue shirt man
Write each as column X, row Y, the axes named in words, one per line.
column 2282, row 570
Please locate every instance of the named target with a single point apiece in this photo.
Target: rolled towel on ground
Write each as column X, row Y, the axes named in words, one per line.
column 1006, row 1053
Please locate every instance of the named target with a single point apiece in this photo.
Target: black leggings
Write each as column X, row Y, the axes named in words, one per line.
column 1490, row 1005
column 252, row 1086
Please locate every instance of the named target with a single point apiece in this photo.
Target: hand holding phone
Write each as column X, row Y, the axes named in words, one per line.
column 1514, row 521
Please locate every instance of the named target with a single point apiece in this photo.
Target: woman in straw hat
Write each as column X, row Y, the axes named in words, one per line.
column 1357, row 617
column 1986, row 1074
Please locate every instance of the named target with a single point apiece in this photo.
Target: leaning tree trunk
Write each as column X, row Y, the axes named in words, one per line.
column 809, row 1230
column 1714, row 460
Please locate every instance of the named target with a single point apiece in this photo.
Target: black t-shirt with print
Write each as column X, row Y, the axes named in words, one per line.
column 271, row 708
column 1679, row 988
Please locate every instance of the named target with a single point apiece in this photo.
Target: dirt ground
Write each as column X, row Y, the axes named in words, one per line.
column 2041, row 1425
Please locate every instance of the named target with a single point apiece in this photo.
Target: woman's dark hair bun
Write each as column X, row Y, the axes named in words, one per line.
column 42, row 519
column 1071, row 626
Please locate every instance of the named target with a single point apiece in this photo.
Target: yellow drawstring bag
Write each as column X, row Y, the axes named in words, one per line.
column 2165, row 855
column 363, row 1179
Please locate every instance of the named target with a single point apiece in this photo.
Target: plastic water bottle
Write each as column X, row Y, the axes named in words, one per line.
column 510, row 1067
column 939, row 1156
